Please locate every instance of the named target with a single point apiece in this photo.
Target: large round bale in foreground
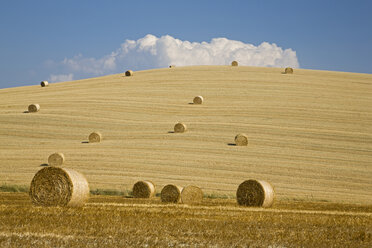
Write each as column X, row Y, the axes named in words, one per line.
column 241, row 139
column 171, row 193
column 288, row 70
column 198, row 100
column 95, row 137
column 143, row 189
column 191, row 194
column 255, row 193
column 234, row 63
column 56, row 159
column 44, row 83
column 55, row 186
column 32, row 108
column 180, row 128
column 129, row 73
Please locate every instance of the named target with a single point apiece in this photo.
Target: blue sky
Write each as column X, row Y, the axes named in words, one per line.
column 37, row 36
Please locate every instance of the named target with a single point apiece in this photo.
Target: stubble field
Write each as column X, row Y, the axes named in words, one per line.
column 112, row 221
column 309, row 136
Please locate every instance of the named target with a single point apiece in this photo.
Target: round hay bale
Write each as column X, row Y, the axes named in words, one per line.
column 191, row 195
column 180, row 128
column 171, row 193
column 172, row 66
column 255, row 193
column 54, row 186
column 241, row 139
column 143, row 189
column 234, row 63
column 129, row 73
column 56, row 159
column 198, row 100
column 44, row 83
column 32, row 108
column 95, row 137
column 288, row 70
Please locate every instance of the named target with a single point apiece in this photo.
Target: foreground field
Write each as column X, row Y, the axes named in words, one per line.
column 310, row 133
column 108, row 221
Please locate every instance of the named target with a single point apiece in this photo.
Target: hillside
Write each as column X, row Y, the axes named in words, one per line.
column 310, row 133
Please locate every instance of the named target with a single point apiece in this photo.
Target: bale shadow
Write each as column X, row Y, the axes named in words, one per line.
column 44, row 165
column 191, row 103
column 170, row 131
column 26, row 112
column 231, row 144
column 85, row 142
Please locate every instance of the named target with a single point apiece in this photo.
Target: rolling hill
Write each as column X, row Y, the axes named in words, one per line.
column 310, row 133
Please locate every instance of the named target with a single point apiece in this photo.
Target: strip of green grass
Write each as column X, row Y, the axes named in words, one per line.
column 13, row 188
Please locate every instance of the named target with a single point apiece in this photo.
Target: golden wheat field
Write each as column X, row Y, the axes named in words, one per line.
column 309, row 135
column 310, row 132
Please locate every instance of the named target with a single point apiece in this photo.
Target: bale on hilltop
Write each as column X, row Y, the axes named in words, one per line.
column 56, row 159
column 129, row 73
column 95, row 137
column 234, row 63
column 255, row 193
column 241, row 139
column 171, row 193
column 144, row 189
column 172, row 66
column 54, row 186
column 198, row 100
column 288, row 70
column 191, row 194
column 180, row 128
column 32, row 108
column 44, row 83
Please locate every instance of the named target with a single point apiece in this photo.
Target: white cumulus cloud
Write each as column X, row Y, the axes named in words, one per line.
column 61, row 77
column 153, row 52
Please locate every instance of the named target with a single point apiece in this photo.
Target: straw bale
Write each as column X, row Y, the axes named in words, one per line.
column 95, row 137
column 129, row 73
column 56, row 159
column 32, row 108
column 288, row 70
column 255, row 193
column 198, row 100
column 144, row 189
column 241, row 139
column 171, row 193
column 191, row 194
column 44, row 83
column 172, row 66
column 180, row 128
column 55, row 186
column 234, row 63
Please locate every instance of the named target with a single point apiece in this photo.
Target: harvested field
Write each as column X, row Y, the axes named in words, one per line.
column 310, row 133
column 216, row 223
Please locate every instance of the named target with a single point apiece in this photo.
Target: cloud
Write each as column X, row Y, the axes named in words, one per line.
column 153, row 52
column 61, row 77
